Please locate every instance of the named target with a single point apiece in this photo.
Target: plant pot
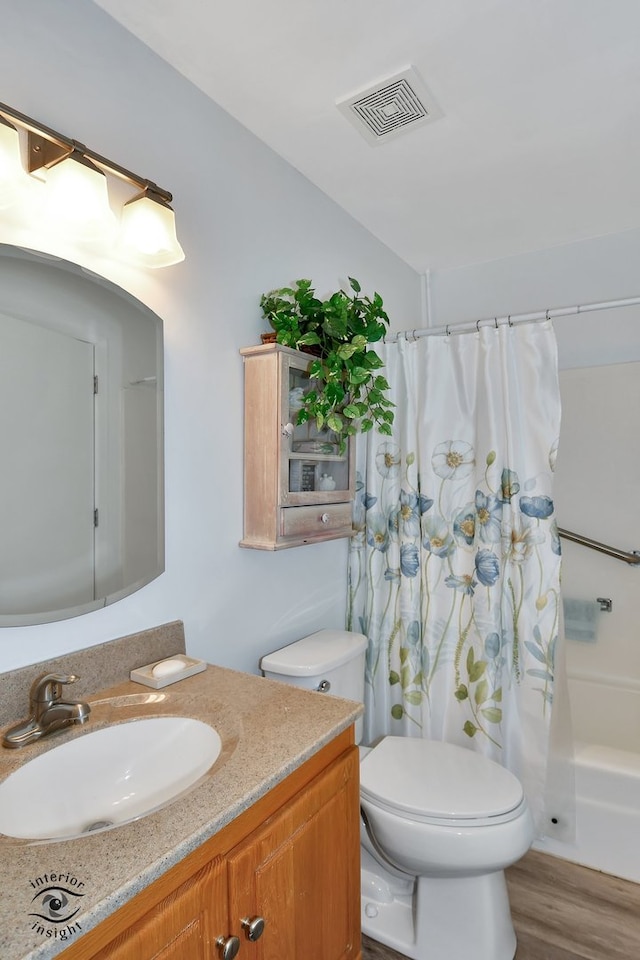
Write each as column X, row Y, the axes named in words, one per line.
column 271, row 337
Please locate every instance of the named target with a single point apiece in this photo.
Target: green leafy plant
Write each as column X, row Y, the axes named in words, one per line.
column 347, row 392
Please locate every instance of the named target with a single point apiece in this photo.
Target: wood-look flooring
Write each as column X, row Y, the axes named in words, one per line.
column 562, row 911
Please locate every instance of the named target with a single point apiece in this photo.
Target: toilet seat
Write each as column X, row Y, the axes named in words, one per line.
column 434, row 782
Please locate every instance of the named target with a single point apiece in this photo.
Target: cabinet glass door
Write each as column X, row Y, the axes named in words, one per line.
column 314, row 470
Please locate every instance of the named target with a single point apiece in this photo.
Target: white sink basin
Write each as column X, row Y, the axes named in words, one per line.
column 106, row 778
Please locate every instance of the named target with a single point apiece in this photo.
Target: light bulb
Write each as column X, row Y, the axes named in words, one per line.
column 148, row 232
column 77, row 200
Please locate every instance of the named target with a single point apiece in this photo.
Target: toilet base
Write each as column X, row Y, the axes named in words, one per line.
column 455, row 918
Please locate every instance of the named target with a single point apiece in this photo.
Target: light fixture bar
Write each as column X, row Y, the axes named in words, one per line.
column 47, row 147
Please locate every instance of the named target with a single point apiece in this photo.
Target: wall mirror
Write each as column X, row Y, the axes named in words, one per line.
column 81, row 434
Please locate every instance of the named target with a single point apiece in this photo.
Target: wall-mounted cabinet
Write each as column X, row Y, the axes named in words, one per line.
column 298, row 487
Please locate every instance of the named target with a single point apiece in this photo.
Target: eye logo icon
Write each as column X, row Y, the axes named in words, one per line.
column 56, row 904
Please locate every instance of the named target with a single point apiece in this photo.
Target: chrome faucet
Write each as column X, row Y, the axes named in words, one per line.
column 48, row 712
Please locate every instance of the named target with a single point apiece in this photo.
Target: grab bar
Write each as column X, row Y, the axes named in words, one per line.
column 632, row 558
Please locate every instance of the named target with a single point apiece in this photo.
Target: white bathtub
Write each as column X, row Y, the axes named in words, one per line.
column 607, row 779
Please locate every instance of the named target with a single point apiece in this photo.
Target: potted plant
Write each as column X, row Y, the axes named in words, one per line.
column 347, row 393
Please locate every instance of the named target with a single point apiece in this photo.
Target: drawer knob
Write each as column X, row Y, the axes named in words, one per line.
column 325, row 518
column 228, row 947
column 253, row 927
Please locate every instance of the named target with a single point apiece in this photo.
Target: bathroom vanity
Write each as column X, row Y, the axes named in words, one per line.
column 287, row 864
column 271, row 834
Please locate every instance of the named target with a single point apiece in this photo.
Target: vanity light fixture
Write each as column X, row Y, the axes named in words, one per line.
column 76, row 197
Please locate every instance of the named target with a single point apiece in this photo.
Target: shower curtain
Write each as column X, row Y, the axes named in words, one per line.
column 454, row 568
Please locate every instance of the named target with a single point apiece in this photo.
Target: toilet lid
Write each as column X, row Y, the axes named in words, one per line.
column 431, row 779
column 315, row 655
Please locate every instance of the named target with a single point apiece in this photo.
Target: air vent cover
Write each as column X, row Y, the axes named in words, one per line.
column 391, row 107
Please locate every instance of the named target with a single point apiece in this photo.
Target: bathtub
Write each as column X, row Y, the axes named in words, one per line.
column 607, row 778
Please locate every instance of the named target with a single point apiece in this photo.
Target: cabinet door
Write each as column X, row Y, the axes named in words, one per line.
column 183, row 926
column 300, row 872
column 312, row 468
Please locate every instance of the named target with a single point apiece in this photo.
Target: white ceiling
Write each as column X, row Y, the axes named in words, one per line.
column 539, row 142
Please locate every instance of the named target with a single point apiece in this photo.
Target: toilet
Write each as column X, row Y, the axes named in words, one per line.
column 439, row 823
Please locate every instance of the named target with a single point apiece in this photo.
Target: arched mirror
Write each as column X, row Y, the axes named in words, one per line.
column 81, row 440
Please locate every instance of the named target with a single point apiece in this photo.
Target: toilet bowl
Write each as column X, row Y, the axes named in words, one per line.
column 439, row 825
column 451, row 820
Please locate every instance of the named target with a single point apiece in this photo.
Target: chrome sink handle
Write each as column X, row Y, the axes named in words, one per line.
column 47, row 690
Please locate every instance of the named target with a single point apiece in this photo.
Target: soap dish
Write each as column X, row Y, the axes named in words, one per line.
column 145, row 675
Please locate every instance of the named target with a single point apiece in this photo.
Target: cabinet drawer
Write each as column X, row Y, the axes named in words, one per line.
column 323, row 518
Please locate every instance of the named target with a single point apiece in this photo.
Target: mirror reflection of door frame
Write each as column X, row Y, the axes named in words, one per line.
column 47, row 540
column 108, row 468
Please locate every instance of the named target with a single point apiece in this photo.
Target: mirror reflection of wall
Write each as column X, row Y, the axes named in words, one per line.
column 81, row 403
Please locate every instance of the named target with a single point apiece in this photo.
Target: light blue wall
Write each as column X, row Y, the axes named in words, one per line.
column 592, row 271
column 247, row 222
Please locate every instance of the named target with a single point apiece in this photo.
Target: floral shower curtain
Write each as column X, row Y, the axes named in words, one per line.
column 454, row 570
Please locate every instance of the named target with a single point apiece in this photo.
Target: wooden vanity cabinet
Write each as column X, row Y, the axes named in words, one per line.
column 182, row 926
column 297, row 871
column 288, row 467
column 292, row 859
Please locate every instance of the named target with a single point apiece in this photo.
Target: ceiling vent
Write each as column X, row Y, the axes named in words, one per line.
column 391, row 107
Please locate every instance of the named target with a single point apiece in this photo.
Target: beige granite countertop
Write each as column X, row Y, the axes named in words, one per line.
column 268, row 729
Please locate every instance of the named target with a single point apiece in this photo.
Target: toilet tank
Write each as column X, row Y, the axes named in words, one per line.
column 335, row 657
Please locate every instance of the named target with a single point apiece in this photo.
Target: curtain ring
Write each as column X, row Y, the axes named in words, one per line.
column 478, row 326
column 447, row 330
column 495, row 320
column 546, row 314
column 509, row 320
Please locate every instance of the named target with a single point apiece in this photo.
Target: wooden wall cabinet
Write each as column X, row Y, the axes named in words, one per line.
column 298, row 488
column 292, row 860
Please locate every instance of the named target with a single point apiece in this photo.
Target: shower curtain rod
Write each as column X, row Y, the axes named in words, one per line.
column 536, row 317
